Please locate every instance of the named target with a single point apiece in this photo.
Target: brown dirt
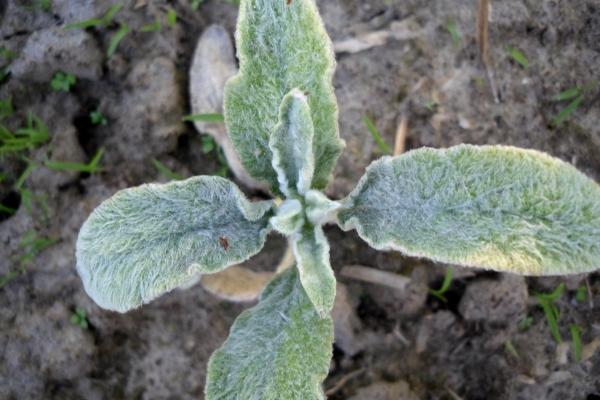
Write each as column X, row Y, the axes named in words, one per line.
column 406, row 344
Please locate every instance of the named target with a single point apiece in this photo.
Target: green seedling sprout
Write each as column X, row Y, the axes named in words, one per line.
column 502, row 208
column 116, row 39
column 165, row 171
column 97, row 118
column 6, row 108
column 518, row 56
column 581, row 294
column 171, row 18
column 44, row 5
column 567, row 111
column 576, row 96
column 62, row 82
column 100, row 22
column 7, row 54
column 548, row 303
column 525, row 323
column 439, row 293
column 383, row 146
column 208, row 144
column 452, row 29
column 155, row 26
column 510, row 349
column 91, row 168
column 7, row 210
column 79, row 318
column 568, row 94
column 576, row 339
column 31, row 246
column 33, row 134
column 195, row 4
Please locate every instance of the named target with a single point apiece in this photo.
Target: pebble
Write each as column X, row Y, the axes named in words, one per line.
column 495, row 300
column 48, row 51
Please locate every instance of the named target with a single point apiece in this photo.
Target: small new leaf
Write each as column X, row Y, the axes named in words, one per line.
column 311, row 250
column 116, row 39
column 495, row 207
column 62, row 82
column 319, row 208
column 148, row 240
column 282, row 45
column 291, row 144
column 289, row 218
column 279, row 349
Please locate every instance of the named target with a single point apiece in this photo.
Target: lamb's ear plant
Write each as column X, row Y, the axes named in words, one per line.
column 495, row 207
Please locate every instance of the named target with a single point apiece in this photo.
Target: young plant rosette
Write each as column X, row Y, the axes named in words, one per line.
column 494, row 207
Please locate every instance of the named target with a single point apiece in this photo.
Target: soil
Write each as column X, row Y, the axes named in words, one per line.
column 488, row 340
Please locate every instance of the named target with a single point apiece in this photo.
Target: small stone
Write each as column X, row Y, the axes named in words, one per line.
column 15, row 18
column 439, row 323
column 47, row 51
column 495, row 300
column 79, row 10
column 148, row 112
column 50, row 341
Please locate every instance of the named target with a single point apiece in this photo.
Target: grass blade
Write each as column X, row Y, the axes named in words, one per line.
column 383, row 146
column 116, row 39
column 88, row 23
column 439, row 293
column 566, row 113
column 164, row 170
column 546, row 301
column 568, row 94
column 576, row 336
column 518, row 56
column 91, row 167
column 452, row 29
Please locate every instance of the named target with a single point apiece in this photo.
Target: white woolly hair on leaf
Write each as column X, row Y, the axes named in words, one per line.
column 279, row 349
column 292, row 145
column 148, row 240
column 319, row 208
column 311, row 250
column 494, row 207
column 289, row 218
column 281, row 46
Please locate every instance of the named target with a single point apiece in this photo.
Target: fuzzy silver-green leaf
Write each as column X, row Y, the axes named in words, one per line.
column 495, row 207
column 289, row 218
column 148, row 240
column 311, row 250
column 282, row 45
column 291, row 145
column 319, row 208
column 278, row 350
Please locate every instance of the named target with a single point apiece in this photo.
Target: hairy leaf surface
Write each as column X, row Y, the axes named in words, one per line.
column 282, row 45
column 495, row 207
column 148, row 240
column 289, row 218
column 311, row 250
column 319, row 208
column 291, row 144
column 279, row 349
